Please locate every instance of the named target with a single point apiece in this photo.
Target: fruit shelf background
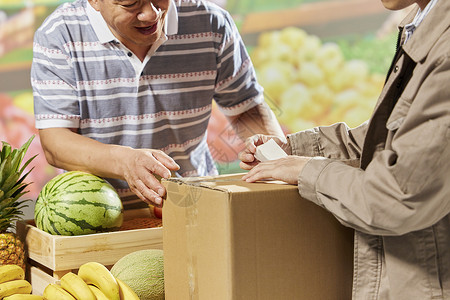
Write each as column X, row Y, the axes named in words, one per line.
column 320, row 62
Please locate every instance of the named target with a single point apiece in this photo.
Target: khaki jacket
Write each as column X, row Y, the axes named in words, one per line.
column 389, row 178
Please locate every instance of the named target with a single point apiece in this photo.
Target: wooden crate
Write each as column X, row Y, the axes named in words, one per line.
column 52, row 256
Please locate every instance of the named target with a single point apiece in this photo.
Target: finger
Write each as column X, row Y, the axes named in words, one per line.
column 166, row 160
column 153, row 183
column 157, row 168
column 257, row 176
column 246, row 157
column 149, row 195
column 250, row 174
column 247, row 166
column 260, row 172
column 252, row 142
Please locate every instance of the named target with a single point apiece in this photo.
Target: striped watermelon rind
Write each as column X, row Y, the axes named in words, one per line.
column 78, row 203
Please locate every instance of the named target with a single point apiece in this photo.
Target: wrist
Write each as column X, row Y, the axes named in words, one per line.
column 117, row 156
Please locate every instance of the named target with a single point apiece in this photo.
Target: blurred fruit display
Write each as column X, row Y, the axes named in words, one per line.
column 311, row 77
column 16, row 127
column 311, row 81
column 319, row 61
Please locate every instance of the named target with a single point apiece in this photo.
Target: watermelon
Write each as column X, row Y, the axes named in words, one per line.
column 78, row 203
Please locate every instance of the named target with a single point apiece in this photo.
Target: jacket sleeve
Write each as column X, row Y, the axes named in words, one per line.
column 406, row 186
column 336, row 141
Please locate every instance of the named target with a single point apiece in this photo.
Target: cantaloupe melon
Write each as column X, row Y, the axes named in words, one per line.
column 143, row 271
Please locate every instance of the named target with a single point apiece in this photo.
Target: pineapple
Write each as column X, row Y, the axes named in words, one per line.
column 12, row 188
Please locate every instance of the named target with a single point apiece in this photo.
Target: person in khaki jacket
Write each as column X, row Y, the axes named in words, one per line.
column 388, row 178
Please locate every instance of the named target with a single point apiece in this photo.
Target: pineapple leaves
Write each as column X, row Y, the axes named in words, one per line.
column 10, row 181
column 10, row 163
column 12, row 185
column 6, row 150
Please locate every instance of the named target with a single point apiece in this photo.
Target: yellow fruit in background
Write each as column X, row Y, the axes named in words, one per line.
column 347, row 99
column 275, row 77
column 311, row 83
column 368, row 89
column 294, row 37
column 297, row 102
column 329, row 51
column 280, row 53
column 373, row 86
column 354, row 71
column 269, row 38
column 329, row 58
column 25, row 102
column 6, row 2
column 310, row 74
column 309, row 49
column 350, row 74
column 322, row 94
column 343, row 102
column 356, row 116
column 299, row 124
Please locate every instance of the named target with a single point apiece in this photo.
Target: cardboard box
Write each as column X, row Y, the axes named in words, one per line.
column 52, row 256
column 228, row 239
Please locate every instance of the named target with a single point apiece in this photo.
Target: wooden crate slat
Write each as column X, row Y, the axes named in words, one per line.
column 60, row 253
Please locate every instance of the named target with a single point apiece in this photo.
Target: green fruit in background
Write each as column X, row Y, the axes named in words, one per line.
column 77, row 203
column 143, row 272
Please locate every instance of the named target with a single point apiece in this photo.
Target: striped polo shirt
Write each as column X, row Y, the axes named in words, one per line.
column 84, row 78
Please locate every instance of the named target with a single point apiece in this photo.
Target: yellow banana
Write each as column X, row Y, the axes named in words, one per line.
column 99, row 294
column 126, row 293
column 54, row 291
column 97, row 274
column 11, row 272
column 24, row 297
column 19, row 286
column 73, row 283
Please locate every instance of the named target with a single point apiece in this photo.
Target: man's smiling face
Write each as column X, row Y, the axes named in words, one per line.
column 135, row 23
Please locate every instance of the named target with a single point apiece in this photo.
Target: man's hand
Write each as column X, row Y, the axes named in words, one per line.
column 143, row 168
column 286, row 169
column 247, row 156
column 66, row 149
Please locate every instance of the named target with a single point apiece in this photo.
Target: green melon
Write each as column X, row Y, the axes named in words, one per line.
column 78, row 203
column 143, row 271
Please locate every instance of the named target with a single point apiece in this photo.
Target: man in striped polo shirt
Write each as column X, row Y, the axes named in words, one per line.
column 123, row 89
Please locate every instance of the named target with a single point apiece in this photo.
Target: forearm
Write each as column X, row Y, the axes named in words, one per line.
column 334, row 141
column 258, row 120
column 372, row 200
column 70, row 151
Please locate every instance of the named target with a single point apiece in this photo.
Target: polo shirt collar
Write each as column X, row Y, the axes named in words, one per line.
column 105, row 35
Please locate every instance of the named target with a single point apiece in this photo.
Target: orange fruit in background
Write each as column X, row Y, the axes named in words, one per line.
column 223, row 142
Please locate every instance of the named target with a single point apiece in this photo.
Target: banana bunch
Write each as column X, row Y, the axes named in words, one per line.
column 93, row 282
column 13, row 284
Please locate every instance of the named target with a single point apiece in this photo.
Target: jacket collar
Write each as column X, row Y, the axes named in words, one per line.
column 429, row 31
